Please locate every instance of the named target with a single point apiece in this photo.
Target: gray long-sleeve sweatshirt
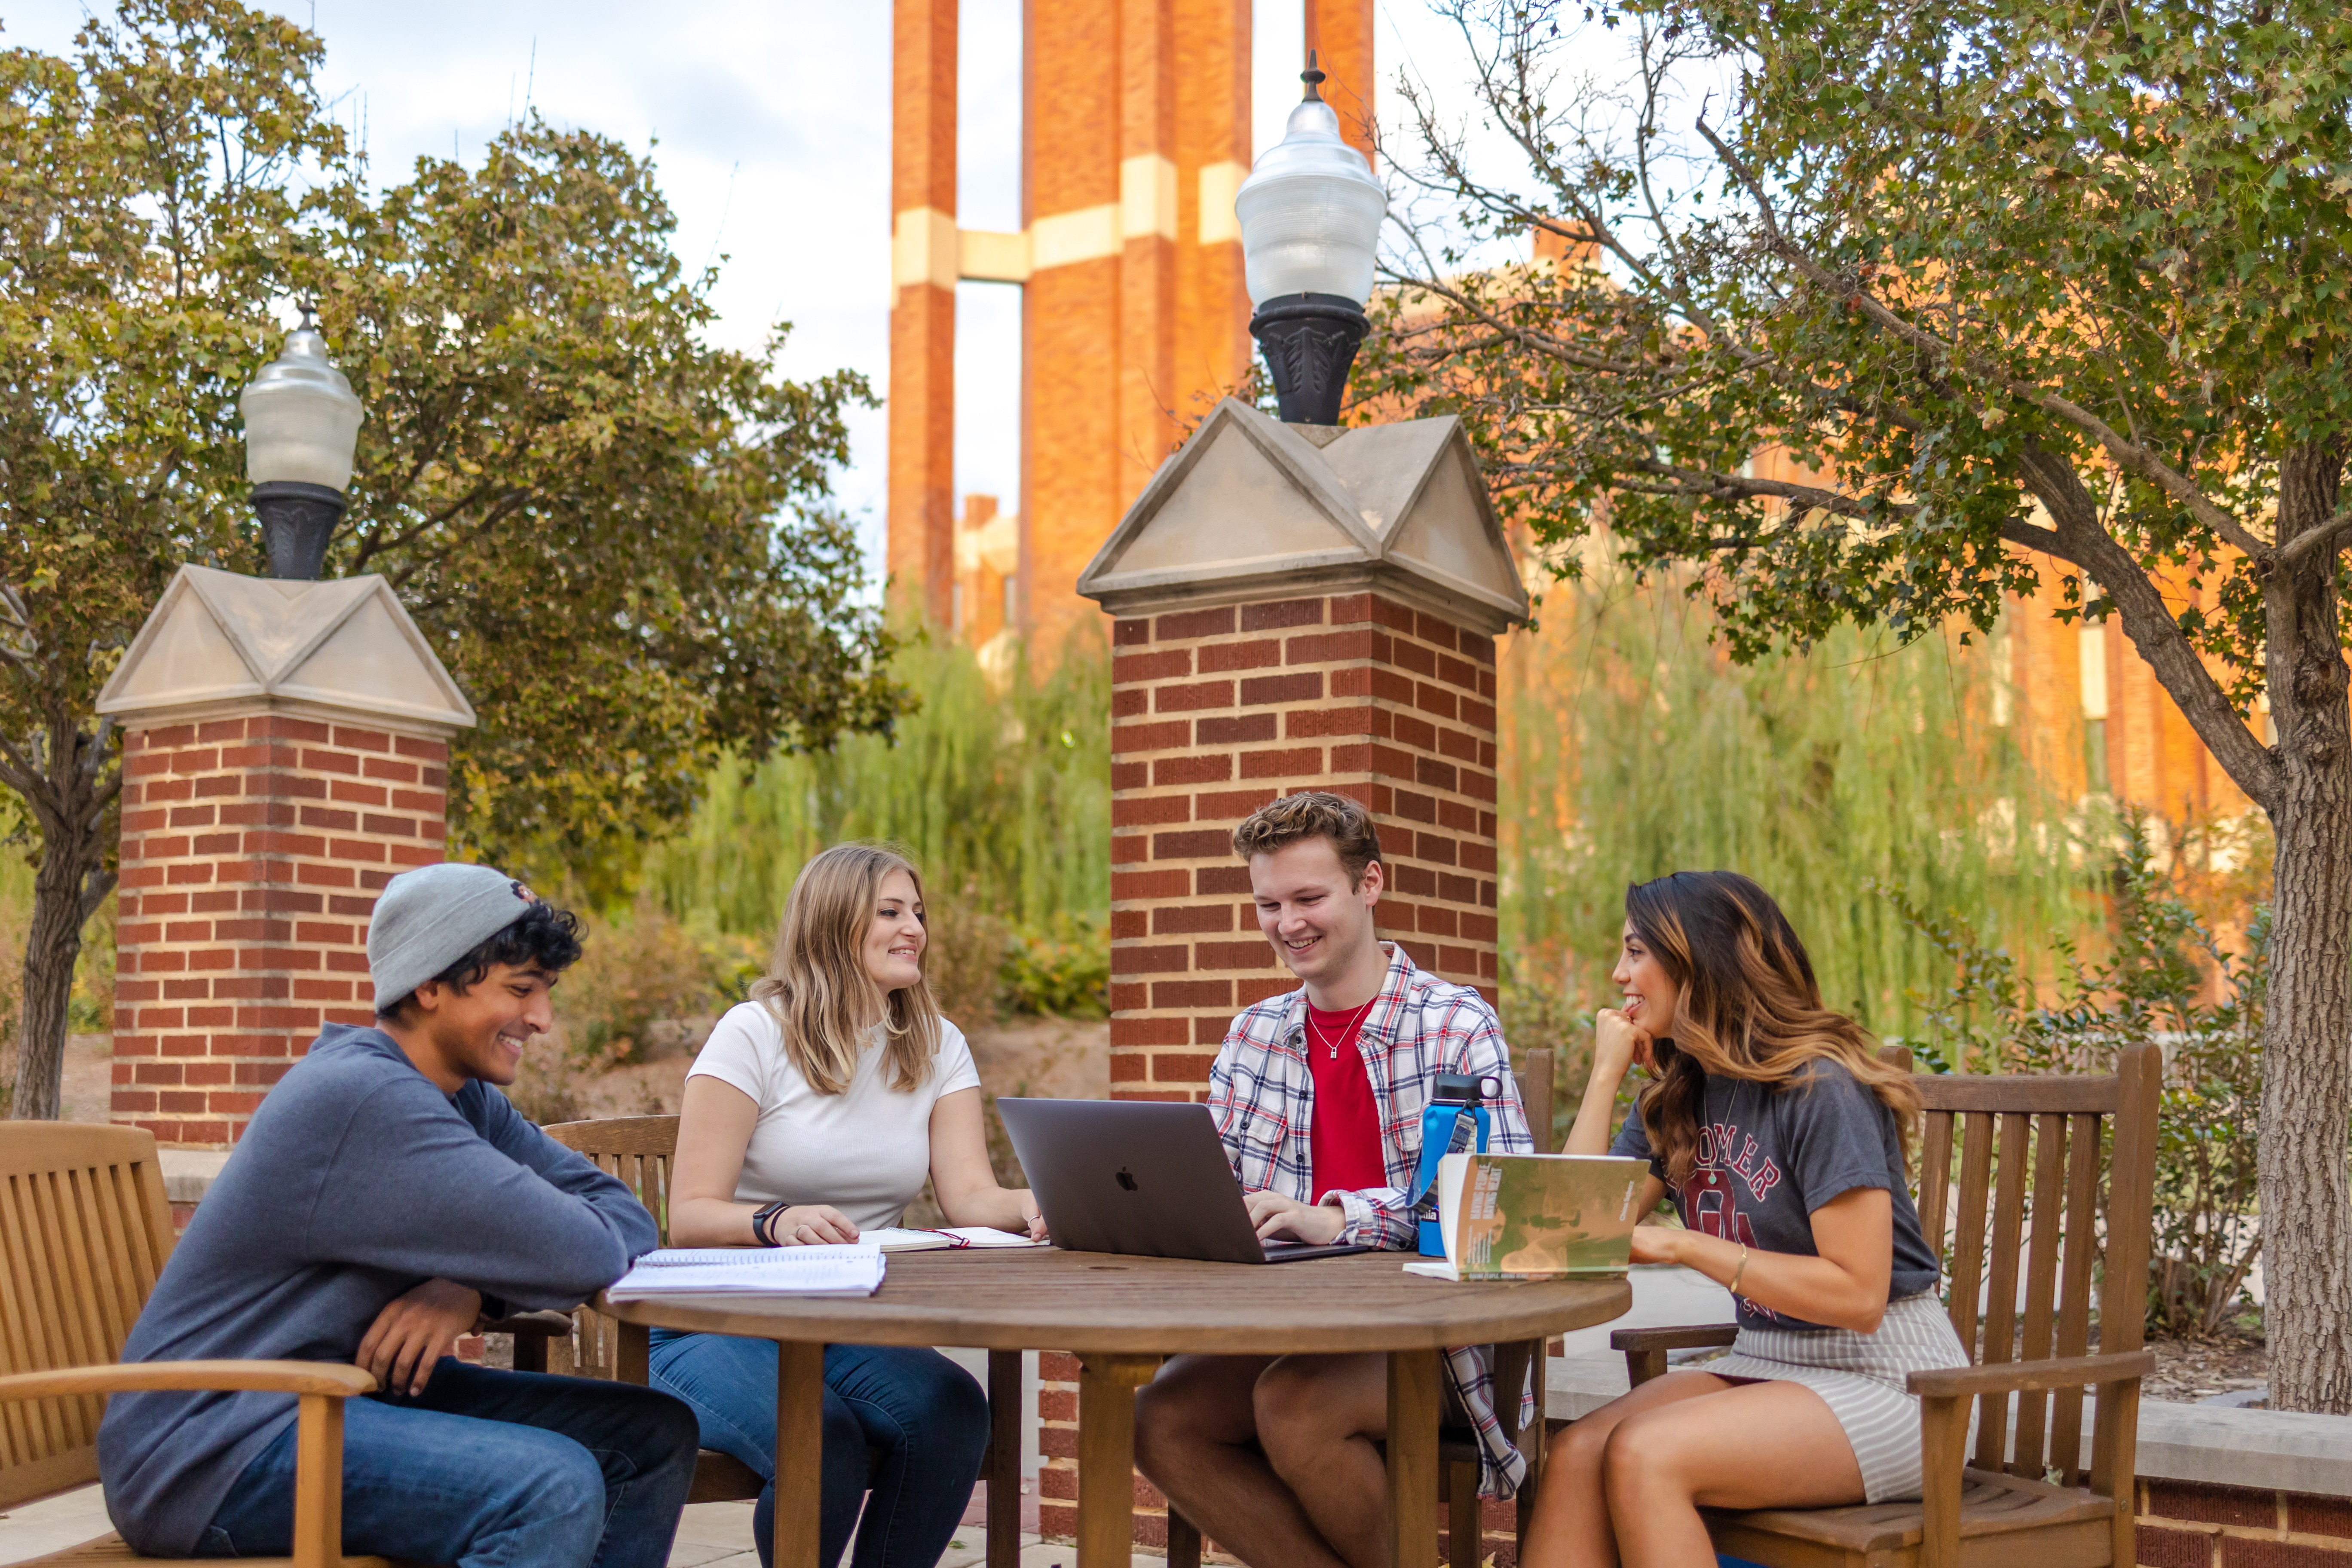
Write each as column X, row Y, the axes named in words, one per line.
column 356, row 1181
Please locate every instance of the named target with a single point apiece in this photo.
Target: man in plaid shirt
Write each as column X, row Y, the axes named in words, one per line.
column 1317, row 1095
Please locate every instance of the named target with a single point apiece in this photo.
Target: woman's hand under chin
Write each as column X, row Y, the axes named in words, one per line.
column 1618, row 1043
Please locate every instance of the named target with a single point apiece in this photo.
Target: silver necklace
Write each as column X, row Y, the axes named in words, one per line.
column 1318, row 1037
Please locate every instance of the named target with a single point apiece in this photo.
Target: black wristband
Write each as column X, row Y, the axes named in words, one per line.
column 761, row 1221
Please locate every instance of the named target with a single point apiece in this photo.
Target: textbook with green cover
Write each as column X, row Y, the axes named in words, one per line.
column 1534, row 1216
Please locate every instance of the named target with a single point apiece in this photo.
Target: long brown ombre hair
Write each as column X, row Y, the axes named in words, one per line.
column 817, row 984
column 1749, row 1007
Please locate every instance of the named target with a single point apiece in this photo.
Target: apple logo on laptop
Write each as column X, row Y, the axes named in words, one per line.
column 1126, row 1178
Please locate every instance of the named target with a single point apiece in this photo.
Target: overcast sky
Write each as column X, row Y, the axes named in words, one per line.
column 771, row 125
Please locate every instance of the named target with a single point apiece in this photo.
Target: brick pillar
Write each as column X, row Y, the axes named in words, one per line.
column 923, row 265
column 253, row 846
column 1217, row 711
column 285, row 754
column 1297, row 608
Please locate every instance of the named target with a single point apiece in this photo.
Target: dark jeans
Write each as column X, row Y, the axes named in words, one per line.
column 488, row 1469
column 924, row 1418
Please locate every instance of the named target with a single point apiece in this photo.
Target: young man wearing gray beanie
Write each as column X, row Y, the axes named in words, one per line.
column 384, row 1198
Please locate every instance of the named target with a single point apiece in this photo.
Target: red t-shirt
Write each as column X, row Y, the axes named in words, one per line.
column 1343, row 1143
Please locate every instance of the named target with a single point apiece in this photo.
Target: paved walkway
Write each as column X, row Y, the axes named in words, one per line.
column 711, row 1535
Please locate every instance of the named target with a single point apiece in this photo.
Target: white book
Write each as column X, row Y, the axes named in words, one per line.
column 852, row 1271
column 918, row 1239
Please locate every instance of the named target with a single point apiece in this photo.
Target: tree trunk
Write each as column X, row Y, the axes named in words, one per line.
column 69, row 803
column 52, row 945
column 2301, row 1154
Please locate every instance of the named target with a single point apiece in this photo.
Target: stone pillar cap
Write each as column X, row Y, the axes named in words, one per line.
column 1251, row 508
column 345, row 649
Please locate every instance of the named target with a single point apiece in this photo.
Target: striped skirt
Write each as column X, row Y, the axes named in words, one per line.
column 1860, row 1377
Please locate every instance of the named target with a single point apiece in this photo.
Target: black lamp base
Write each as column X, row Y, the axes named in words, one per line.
column 297, row 521
column 1310, row 342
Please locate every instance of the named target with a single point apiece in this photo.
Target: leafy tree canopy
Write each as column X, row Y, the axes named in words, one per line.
column 2015, row 288
column 619, row 537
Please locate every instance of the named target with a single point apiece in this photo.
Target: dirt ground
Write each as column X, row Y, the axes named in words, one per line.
column 2190, row 1370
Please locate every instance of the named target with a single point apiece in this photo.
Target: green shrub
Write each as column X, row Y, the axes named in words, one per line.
column 646, row 985
column 1061, row 969
column 2168, row 981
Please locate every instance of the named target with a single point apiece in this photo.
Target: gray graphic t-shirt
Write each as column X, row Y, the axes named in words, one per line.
column 1768, row 1158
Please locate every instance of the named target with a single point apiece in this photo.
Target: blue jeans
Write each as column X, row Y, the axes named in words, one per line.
column 488, row 1469
column 923, row 1418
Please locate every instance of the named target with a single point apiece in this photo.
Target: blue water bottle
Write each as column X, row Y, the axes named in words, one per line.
column 1454, row 1122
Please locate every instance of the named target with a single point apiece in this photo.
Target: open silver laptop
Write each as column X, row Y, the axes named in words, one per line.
column 1140, row 1177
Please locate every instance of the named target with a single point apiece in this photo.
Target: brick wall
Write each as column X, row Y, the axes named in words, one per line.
column 2184, row 1525
column 253, row 848
column 1216, row 712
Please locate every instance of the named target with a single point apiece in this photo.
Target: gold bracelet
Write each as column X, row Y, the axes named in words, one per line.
column 1733, row 1285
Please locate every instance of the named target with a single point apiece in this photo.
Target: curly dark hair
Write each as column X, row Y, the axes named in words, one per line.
column 543, row 937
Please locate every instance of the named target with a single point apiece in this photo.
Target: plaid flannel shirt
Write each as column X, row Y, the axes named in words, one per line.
column 1261, row 1092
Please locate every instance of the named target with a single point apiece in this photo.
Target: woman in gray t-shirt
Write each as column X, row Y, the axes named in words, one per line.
column 1781, row 1136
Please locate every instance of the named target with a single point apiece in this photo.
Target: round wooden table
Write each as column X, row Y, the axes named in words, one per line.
column 1121, row 1316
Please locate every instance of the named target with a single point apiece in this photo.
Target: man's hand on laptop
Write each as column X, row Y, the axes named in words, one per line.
column 414, row 1331
column 1278, row 1218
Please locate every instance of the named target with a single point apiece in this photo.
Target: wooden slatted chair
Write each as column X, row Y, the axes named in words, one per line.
column 1457, row 1451
column 84, row 1231
column 2030, row 1213
column 638, row 1151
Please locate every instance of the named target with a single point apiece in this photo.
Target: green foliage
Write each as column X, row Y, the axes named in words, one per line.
column 618, row 537
column 2168, row 981
column 1000, row 791
column 1639, row 749
column 648, row 986
column 2070, row 277
column 1061, row 970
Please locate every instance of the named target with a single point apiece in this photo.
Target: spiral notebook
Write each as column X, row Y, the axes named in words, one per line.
column 852, row 1271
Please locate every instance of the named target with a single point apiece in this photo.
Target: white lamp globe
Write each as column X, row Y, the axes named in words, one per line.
column 1310, row 211
column 301, row 417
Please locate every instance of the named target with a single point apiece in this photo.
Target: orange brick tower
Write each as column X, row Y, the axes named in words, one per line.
column 285, row 754
column 1136, row 134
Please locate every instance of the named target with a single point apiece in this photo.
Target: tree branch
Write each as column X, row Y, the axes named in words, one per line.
column 2327, row 536
column 2127, row 454
column 2148, row 622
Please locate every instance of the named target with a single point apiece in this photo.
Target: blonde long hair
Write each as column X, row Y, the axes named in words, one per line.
column 817, row 984
column 1750, row 1007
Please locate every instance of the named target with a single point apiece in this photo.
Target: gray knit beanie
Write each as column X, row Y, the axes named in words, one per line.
column 429, row 919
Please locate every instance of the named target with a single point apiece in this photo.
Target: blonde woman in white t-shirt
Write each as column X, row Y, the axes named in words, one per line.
column 816, row 1110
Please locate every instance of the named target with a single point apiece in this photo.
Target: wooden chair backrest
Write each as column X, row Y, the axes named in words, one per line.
column 84, row 1231
column 1535, row 1094
column 2011, row 1186
column 637, row 1152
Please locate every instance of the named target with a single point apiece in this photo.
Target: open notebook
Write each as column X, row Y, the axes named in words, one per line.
column 852, row 1271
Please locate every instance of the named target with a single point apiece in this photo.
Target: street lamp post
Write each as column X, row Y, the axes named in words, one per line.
column 301, row 424
column 1310, row 216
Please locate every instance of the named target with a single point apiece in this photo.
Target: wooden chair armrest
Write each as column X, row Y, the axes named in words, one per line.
column 548, row 1325
column 2031, row 1376
column 1645, row 1349
column 1690, row 1337
column 327, row 1377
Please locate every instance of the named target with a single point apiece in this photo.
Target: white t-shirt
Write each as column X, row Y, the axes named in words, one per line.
column 865, row 1151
